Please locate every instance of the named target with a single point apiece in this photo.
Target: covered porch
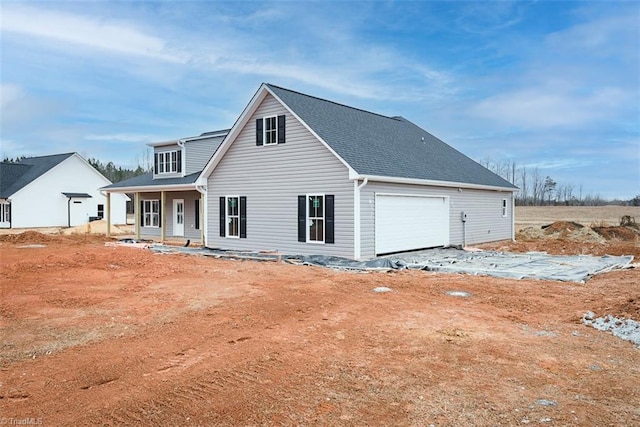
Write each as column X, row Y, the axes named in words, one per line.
column 163, row 211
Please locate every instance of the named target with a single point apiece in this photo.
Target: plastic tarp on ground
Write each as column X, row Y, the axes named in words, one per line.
column 532, row 265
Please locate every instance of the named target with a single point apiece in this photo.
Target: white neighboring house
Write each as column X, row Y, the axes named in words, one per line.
column 61, row 190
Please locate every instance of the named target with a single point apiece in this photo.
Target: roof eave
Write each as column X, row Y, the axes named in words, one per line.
column 150, row 188
column 435, row 183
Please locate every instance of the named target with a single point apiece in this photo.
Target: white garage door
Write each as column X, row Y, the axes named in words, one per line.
column 410, row 222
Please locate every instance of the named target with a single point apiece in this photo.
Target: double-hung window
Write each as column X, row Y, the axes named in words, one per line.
column 5, row 212
column 270, row 130
column 151, row 213
column 504, row 208
column 315, row 218
column 233, row 217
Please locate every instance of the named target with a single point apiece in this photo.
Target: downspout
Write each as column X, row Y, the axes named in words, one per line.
column 69, row 212
column 202, row 189
column 513, row 217
column 183, row 158
column 356, row 216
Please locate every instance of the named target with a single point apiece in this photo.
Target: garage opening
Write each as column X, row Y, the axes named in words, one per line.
column 410, row 222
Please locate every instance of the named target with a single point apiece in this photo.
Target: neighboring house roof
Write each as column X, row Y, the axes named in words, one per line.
column 77, row 195
column 146, row 181
column 15, row 176
column 381, row 146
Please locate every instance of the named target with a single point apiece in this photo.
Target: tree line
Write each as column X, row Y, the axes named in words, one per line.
column 116, row 173
column 536, row 189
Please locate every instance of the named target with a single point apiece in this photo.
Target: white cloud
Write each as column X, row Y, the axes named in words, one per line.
column 544, row 107
column 61, row 27
column 122, row 137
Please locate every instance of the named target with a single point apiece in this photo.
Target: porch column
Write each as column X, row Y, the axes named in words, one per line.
column 108, row 215
column 136, row 214
column 163, row 217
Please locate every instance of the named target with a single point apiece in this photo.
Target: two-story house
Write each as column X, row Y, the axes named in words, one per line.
column 303, row 175
column 168, row 202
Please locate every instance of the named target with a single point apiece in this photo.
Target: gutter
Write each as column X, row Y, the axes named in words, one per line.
column 434, row 183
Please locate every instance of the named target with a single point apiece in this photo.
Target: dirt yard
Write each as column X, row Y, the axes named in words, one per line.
column 96, row 335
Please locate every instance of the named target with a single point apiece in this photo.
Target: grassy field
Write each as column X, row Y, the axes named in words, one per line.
column 527, row 216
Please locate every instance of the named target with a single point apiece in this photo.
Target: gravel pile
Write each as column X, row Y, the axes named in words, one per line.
column 627, row 329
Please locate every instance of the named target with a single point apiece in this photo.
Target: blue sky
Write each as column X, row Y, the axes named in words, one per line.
column 547, row 84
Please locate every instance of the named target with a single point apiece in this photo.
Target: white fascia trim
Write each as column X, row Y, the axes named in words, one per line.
column 152, row 188
column 327, row 146
column 187, row 139
column 232, row 135
column 260, row 95
column 434, row 183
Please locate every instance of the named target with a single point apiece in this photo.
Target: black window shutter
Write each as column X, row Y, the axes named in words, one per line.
column 329, row 221
column 197, row 210
column 281, row 129
column 155, row 163
column 302, row 218
column 179, row 161
column 259, row 131
column 243, row 217
column 222, row 216
column 141, row 213
column 160, row 213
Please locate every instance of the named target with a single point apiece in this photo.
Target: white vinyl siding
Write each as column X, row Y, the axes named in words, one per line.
column 272, row 180
column 44, row 195
column 484, row 221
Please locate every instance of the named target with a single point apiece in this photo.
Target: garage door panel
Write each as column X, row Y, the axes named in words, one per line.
column 410, row 222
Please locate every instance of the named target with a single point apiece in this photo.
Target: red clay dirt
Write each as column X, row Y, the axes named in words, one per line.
column 95, row 335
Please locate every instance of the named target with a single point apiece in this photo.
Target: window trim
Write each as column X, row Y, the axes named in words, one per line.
column 504, row 208
column 324, row 219
column 168, row 158
column 150, row 214
column 5, row 212
column 227, row 217
column 273, row 131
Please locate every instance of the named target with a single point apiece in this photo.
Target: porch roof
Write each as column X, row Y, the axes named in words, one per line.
column 146, row 182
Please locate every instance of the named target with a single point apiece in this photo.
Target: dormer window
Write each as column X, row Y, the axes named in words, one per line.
column 270, row 130
column 168, row 162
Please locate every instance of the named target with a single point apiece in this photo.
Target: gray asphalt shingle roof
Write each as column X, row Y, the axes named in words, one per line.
column 374, row 144
column 15, row 176
column 147, row 180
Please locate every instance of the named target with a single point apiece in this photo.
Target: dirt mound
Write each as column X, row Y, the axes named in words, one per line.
column 620, row 233
column 93, row 227
column 27, row 237
column 562, row 226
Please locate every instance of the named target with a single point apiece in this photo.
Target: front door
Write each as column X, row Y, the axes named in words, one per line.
column 178, row 217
